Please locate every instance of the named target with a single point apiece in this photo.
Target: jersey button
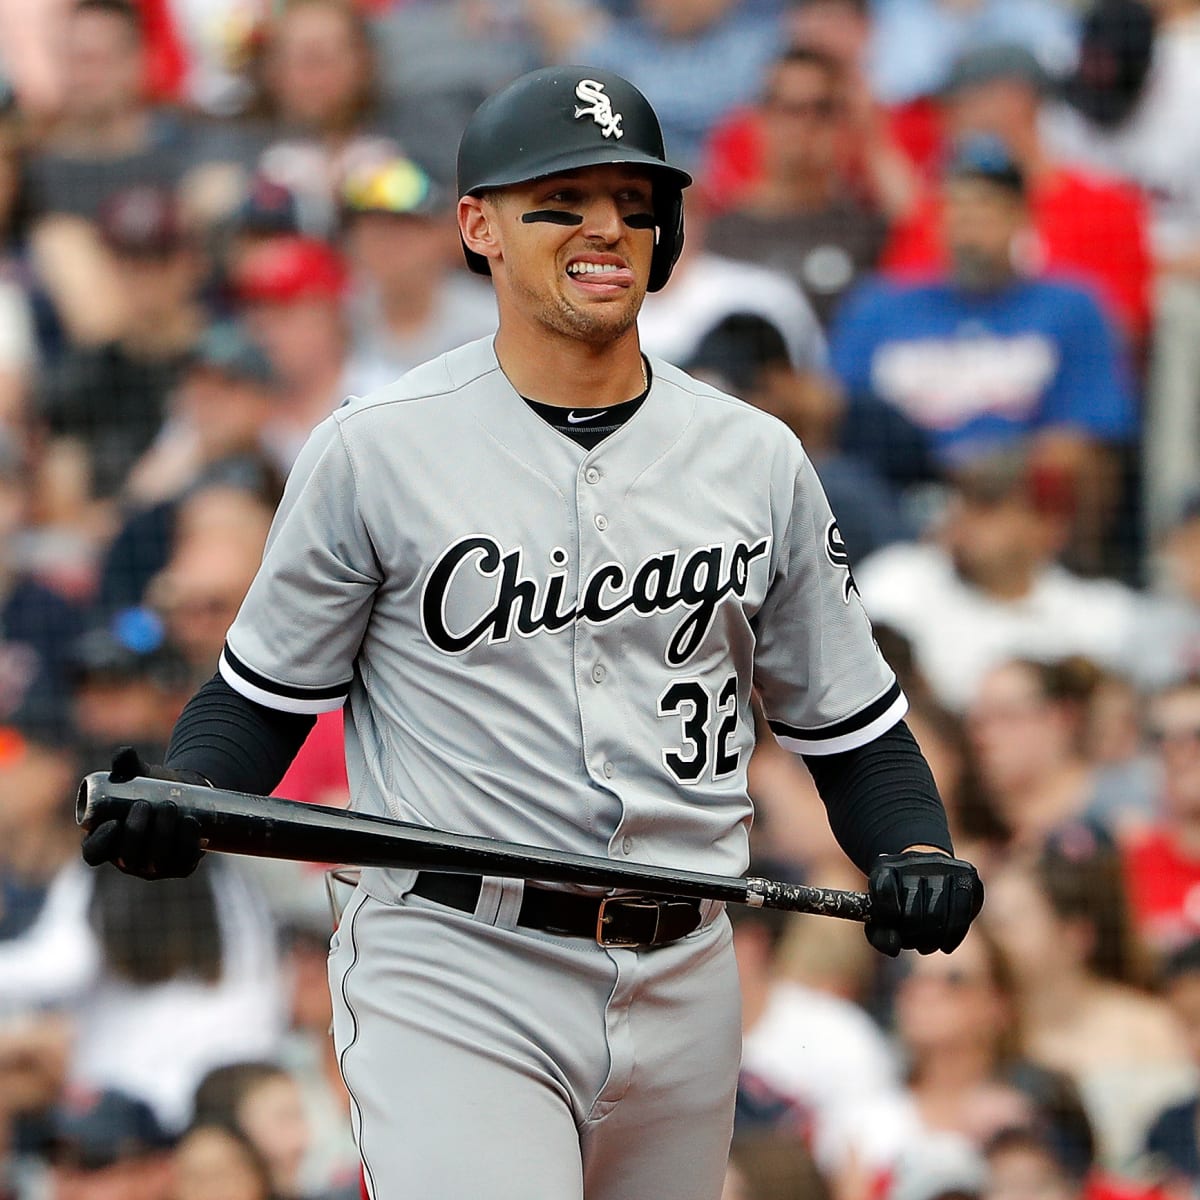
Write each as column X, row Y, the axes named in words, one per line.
column 601, row 522
column 592, row 475
column 609, row 770
column 599, row 672
column 627, row 845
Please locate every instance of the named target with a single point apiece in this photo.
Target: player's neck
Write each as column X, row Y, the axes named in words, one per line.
column 569, row 373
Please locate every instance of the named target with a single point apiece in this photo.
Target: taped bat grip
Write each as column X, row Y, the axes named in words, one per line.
column 85, row 803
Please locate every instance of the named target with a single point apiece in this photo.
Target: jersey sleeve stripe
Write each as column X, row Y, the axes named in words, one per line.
column 284, row 697
column 848, row 733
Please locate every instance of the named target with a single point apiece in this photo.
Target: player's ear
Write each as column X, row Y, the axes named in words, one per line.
column 477, row 224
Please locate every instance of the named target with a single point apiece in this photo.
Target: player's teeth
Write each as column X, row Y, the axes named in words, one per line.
column 587, row 268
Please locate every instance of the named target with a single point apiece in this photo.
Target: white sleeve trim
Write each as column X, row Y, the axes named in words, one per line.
column 851, row 740
column 309, row 706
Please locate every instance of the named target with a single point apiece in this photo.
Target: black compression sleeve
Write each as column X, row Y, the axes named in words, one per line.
column 881, row 797
column 234, row 742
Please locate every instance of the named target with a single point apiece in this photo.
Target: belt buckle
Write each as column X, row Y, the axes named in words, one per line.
column 634, row 903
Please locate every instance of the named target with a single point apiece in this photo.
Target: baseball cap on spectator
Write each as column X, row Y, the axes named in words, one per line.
column 269, row 207
column 132, row 645
column 227, row 349
column 992, row 63
column 1116, row 47
column 398, row 188
column 736, row 351
column 1007, row 474
column 942, row 1165
column 91, row 1130
column 289, row 268
column 143, row 220
column 984, row 156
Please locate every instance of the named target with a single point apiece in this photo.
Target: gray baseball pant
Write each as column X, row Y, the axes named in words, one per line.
column 486, row 1061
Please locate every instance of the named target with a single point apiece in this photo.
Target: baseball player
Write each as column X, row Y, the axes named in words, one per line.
column 544, row 573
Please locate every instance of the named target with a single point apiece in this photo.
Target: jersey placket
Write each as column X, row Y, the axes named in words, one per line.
column 597, row 671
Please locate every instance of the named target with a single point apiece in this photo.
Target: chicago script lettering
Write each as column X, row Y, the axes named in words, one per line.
column 662, row 582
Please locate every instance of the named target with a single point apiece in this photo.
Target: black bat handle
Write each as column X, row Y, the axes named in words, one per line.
column 269, row 827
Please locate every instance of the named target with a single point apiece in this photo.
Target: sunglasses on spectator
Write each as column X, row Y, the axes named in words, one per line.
column 822, row 109
column 951, row 977
column 1162, row 735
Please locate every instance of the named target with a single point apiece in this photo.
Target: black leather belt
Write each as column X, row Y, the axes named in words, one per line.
column 625, row 920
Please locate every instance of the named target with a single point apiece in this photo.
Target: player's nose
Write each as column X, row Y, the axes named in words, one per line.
column 602, row 219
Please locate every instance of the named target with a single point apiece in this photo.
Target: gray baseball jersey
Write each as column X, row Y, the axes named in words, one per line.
column 555, row 646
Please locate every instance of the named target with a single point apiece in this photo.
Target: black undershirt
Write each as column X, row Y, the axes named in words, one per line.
column 589, row 426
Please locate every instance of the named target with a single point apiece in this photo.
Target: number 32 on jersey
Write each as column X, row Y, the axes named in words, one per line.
column 709, row 721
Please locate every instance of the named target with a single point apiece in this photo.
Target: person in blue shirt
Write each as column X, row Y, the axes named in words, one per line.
column 989, row 357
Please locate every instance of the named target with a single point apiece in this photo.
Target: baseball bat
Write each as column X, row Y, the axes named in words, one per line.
column 269, row 827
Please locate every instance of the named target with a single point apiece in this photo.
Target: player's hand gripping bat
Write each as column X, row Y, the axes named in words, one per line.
column 266, row 827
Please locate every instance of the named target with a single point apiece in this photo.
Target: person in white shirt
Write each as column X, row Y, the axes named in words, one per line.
column 987, row 588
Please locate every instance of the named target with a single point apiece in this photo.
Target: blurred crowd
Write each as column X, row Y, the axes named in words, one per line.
column 953, row 244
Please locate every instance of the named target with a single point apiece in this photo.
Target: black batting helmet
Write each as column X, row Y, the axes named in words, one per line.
column 560, row 118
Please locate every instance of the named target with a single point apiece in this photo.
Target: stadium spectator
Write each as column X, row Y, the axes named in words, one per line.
column 987, row 588
column 705, row 288
column 1080, row 969
column 47, row 957
column 1162, row 864
column 409, row 302
column 291, row 291
column 190, row 981
column 263, row 1101
column 439, row 59
column 1027, row 1161
column 1028, row 723
column 307, row 1053
column 915, row 44
column 107, row 137
column 104, row 405
column 1085, row 226
column 746, row 354
column 818, row 1052
column 106, row 1144
column 799, row 214
column 213, row 436
column 1173, row 1140
column 33, row 1056
column 37, row 623
column 215, row 422
column 985, row 355
column 1147, row 133
column 695, row 60
column 128, row 685
column 318, row 107
column 218, row 542
column 216, row 1161
column 1130, row 112
column 956, row 1018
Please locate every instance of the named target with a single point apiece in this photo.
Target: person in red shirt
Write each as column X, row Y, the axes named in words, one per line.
column 1084, row 225
column 1163, row 864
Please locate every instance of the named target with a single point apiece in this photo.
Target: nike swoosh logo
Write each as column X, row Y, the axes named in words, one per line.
column 572, row 419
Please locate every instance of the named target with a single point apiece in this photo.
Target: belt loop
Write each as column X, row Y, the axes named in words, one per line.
column 508, row 908
column 491, row 894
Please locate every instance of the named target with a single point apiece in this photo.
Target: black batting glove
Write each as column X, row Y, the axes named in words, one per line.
column 922, row 901
column 150, row 841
